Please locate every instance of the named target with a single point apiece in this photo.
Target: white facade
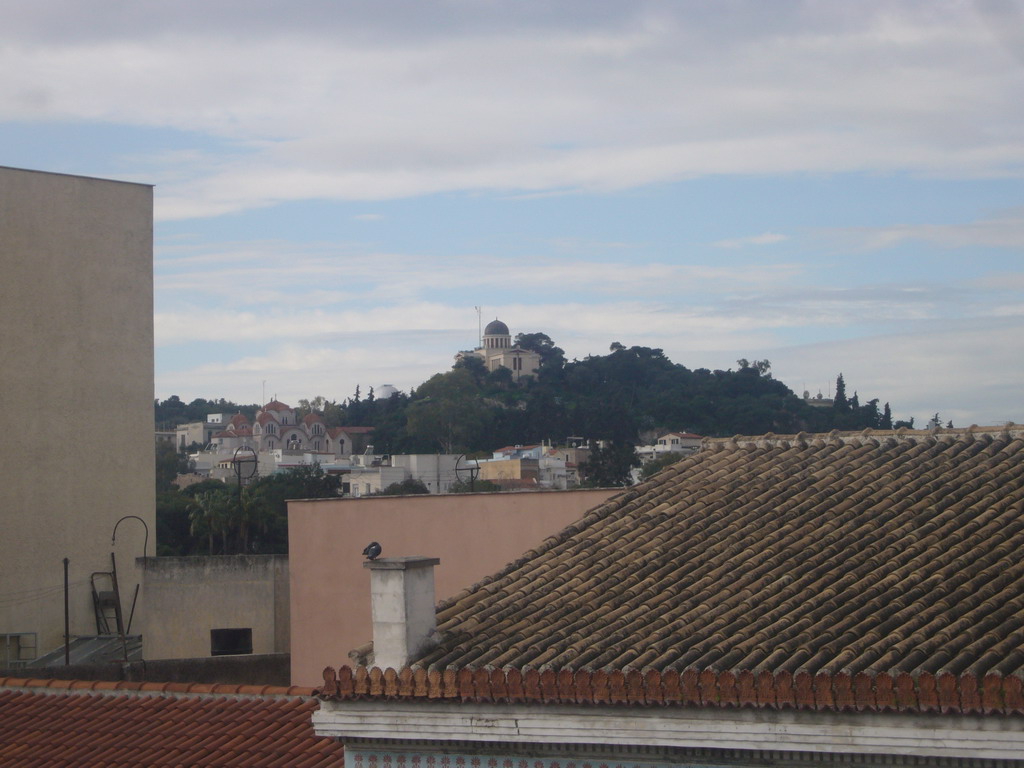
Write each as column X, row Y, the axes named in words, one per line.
column 682, row 443
column 434, row 470
column 497, row 352
column 551, row 735
column 76, row 341
column 370, row 480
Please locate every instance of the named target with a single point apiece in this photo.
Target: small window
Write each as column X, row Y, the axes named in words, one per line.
column 230, row 642
column 17, row 649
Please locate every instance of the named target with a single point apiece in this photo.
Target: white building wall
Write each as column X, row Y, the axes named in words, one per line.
column 76, row 352
column 436, row 471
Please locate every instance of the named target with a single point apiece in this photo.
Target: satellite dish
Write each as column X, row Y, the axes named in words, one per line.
column 470, row 471
column 244, row 455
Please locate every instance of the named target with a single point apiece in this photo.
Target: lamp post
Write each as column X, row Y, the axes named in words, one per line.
column 121, row 630
column 240, row 461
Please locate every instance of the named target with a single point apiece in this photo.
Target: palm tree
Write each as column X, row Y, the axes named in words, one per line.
column 208, row 515
column 254, row 514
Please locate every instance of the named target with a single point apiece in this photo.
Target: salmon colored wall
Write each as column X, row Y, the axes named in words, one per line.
column 473, row 534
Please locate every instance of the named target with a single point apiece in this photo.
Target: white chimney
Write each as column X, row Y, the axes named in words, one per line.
column 402, row 598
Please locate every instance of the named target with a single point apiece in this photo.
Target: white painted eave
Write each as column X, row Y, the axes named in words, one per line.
column 993, row 737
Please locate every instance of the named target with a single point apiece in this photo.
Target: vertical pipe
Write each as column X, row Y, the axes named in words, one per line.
column 117, row 606
column 67, row 619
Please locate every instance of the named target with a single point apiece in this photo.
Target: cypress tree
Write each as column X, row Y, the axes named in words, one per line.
column 841, row 403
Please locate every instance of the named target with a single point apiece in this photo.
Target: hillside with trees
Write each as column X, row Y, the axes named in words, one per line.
column 630, row 395
column 627, row 395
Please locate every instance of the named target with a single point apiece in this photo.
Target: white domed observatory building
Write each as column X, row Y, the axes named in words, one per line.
column 497, row 352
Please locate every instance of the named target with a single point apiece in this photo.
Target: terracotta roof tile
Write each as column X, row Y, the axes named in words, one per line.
column 838, row 554
column 64, row 723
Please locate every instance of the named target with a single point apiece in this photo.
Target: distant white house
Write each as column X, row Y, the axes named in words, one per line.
column 528, row 467
column 682, row 443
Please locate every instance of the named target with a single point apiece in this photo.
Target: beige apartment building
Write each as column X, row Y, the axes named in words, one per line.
column 76, row 357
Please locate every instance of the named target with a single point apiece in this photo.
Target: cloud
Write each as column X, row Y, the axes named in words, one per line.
column 962, row 368
column 261, row 275
column 965, row 371
column 1004, row 231
column 385, row 101
column 767, row 238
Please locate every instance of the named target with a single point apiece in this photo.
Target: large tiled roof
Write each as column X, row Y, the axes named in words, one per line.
column 357, row 430
column 60, row 723
column 872, row 553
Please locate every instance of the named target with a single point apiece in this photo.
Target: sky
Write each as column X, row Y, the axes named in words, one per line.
column 833, row 186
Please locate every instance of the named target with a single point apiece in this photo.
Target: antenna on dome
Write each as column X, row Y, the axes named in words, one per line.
column 479, row 327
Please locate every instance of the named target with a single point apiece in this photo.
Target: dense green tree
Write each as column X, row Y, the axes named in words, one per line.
column 172, row 411
column 302, row 482
column 208, row 518
column 654, row 466
column 476, row 486
column 252, row 518
column 475, row 365
column 609, row 465
column 869, row 415
column 840, row 403
column 210, row 484
column 550, row 355
column 886, row 422
column 762, row 367
column 448, row 413
column 499, row 379
column 306, row 407
column 169, row 464
column 619, row 396
column 405, row 487
column 173, row 536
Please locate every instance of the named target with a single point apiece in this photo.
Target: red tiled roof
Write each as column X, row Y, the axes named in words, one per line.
column 511, row 448
column 276, row 405
column 843, row 554
column 239, row 420
column 58, row 723
column 992, row 694
column 312, row 418
column 357, row 430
